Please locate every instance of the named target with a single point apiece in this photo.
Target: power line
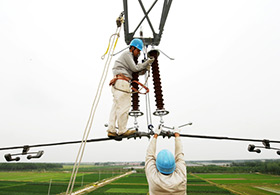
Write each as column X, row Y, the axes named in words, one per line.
column 228, row 138
column 140, row 135
column 54, row 144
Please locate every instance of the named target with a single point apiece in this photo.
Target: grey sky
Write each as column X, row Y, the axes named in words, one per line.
column 224, row 79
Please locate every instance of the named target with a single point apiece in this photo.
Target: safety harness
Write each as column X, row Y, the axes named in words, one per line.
column 122, row 77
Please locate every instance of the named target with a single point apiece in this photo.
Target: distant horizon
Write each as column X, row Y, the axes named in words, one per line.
column 143, row 161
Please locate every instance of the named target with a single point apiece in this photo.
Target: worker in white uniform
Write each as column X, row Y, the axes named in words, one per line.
column 166, row 174
column 122, row 71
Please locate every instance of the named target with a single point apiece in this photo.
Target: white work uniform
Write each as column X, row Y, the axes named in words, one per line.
column 174, row 183
column 120, row 108
column 122, row 101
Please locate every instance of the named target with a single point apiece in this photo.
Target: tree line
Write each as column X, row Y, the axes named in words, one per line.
column 270, row 167
column 29, row 166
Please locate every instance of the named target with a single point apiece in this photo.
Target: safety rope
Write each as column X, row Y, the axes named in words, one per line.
column 110, row 51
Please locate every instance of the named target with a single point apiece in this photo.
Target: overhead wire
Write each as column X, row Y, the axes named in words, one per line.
column 55, row 144
column 167, row 134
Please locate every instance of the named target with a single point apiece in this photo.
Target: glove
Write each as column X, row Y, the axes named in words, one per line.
column 142, row 72
column 148, row 68
column 150, row 60
column 158, row 130
column 177, row 130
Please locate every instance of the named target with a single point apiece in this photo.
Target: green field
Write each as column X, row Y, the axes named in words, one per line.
column 37, row 183
column 247, row 183
column 137, row 184
column 202, row 184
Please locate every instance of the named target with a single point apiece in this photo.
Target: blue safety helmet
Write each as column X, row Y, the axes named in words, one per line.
column 138, row 43
column 165, row 162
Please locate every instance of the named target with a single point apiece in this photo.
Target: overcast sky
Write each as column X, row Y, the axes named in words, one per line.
column 225, row 76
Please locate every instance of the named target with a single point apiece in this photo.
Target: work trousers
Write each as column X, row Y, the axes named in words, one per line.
column 121, row 106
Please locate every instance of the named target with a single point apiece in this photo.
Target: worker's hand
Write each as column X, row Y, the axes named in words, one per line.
column 150, row 60
column 177, row 130
column 158, row 130
column 142, row 72
column 148, row 68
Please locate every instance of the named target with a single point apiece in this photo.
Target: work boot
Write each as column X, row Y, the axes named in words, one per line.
column 112, row 134
column 128, row 132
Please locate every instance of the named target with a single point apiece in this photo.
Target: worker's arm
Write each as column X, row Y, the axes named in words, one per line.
column 151, row 150
column 178, row 147
column 132, row 66
column 150, row 162
column 179, row 155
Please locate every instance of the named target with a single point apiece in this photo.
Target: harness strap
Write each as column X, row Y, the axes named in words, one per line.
column 117, row 77
column 142, row 85
column 122, row 77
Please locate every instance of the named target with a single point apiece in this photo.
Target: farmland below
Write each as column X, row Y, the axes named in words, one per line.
column 46, row 178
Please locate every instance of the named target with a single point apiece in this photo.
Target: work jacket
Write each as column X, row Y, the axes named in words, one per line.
column 174, row 183
column 125, row 65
